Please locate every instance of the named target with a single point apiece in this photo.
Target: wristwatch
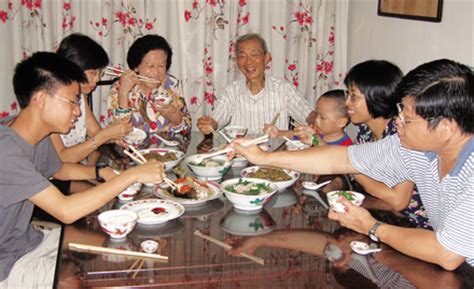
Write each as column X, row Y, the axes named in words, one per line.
column 373, row 230
column 98, row 178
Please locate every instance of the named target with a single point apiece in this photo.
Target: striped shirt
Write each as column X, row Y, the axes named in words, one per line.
column 237, row 106
column 449, row 201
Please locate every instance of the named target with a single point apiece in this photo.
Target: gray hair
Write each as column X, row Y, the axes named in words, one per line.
column 250, row 36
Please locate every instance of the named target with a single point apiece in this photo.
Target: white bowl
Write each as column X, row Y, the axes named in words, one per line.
column 235, row 131
column 163, row 98
column 333, row 197
column 210, row 173
column 117, row 223
column 281, row 185
column 247, row 224
column 135, row 137
column 130, row 192
column 240, row 162
column 169, row 165
column 248, row 202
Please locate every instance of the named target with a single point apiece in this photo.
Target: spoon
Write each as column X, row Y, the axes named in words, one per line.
column 313, row 186
column 318, row 198
column 363, row 248
column 171, row 143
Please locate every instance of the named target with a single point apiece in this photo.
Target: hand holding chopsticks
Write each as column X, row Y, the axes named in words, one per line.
column 140, row 159
column 227, row 247
column 116, row 72
column 202, row 157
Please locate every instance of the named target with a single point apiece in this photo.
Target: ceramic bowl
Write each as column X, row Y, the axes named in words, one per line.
column 248, row 202
column 235, row 131
column 130, row 192
column 169, row 165
column 117, row 223
column 357, row 199
column 136, row 137
column 296, row 145
column 247, row 224
column 208, row 172
column 281, row 185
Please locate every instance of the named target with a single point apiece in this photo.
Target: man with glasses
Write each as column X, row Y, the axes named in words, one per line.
column 47, row 88
column 434, row 148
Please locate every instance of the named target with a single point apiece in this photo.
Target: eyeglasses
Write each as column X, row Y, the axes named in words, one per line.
column 404, row 121
column 72, row 102
column 95, row 73
column 351, row 97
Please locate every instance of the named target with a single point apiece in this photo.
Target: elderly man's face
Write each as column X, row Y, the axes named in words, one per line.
column 252, row 60
column 413, row 130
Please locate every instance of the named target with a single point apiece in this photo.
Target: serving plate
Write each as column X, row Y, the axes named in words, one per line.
column 214, row 193
column 154, row 211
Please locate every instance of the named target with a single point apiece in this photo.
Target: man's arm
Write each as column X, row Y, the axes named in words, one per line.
column 419, row 243
column 317, row 160
column 69, row 171
column 70, row 208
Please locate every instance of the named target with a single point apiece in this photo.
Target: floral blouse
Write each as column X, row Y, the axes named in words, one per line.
column 144, row 114
column 415, row 211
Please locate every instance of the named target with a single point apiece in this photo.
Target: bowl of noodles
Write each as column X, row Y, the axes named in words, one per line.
column 248, row 194
column 282, row 178
column 169, row 157
column 212, row 168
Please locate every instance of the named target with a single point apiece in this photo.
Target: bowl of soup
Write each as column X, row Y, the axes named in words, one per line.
column 212, row 168
column 248, row 194
column 333, row 199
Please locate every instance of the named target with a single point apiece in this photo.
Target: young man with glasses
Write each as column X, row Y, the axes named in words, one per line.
column 47, row 88
column 437, row 155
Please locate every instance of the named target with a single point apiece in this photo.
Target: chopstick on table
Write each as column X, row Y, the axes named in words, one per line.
column 111, row 71
column 140, row 159
column 227, row 247
column 104, row 250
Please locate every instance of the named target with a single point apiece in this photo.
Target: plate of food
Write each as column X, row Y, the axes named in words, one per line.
column 190, row 191
column 169, row 157
column 283, row 178
column 154, row 211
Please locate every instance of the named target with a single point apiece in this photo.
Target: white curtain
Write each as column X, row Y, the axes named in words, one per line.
column 307, row 38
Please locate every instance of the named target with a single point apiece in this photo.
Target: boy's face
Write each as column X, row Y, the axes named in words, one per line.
column 329, row 119
column 61, row 108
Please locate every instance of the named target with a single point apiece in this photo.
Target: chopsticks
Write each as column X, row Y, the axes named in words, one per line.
column 112, row 71
column 220, row 134
column 275, row 118
column 227, row 246
column 258, row 140
column 104, row 250
column 140, row 159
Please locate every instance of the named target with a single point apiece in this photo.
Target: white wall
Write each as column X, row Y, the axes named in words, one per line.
column 409, row 43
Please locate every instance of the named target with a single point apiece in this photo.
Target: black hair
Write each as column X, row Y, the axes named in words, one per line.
column 339, row 96
column 83, row 51
column 377, row 81
column 442, row 89
column 145, row 44
column 44, row 71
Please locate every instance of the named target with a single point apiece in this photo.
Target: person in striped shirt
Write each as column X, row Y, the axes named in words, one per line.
column 434, row 148
column 254, row 101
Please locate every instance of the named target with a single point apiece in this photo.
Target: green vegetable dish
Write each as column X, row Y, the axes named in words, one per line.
column 346, row 195
column 249, row 188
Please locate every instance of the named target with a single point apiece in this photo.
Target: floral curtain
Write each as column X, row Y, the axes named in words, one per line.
column 307, row 39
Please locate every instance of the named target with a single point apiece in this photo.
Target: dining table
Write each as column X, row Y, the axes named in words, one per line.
column 194, row 262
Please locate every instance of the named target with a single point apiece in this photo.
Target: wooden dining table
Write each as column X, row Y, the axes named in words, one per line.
column 194, row 262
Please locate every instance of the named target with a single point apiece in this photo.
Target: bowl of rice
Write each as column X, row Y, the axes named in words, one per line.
column 117, row 223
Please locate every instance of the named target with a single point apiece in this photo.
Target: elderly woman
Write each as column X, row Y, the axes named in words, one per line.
column 156, row 104
column 372, row 106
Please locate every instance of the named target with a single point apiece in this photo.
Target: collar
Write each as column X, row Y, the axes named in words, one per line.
column 463, row 156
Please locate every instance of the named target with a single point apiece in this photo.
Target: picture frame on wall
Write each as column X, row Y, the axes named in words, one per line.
column 425, row 10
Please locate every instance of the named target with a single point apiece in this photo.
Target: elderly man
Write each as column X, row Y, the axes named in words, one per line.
column 434, row 148
column 254, row 101
column 47, row 88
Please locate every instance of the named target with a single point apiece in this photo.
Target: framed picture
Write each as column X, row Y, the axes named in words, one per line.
column 426, row 10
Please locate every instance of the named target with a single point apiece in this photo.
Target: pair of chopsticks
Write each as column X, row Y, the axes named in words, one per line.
column 112, row 71
column 274, row 120
column 258, row 140
column 227, row 247
column 104, row 250
column 140, row 159
column 220, row 134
